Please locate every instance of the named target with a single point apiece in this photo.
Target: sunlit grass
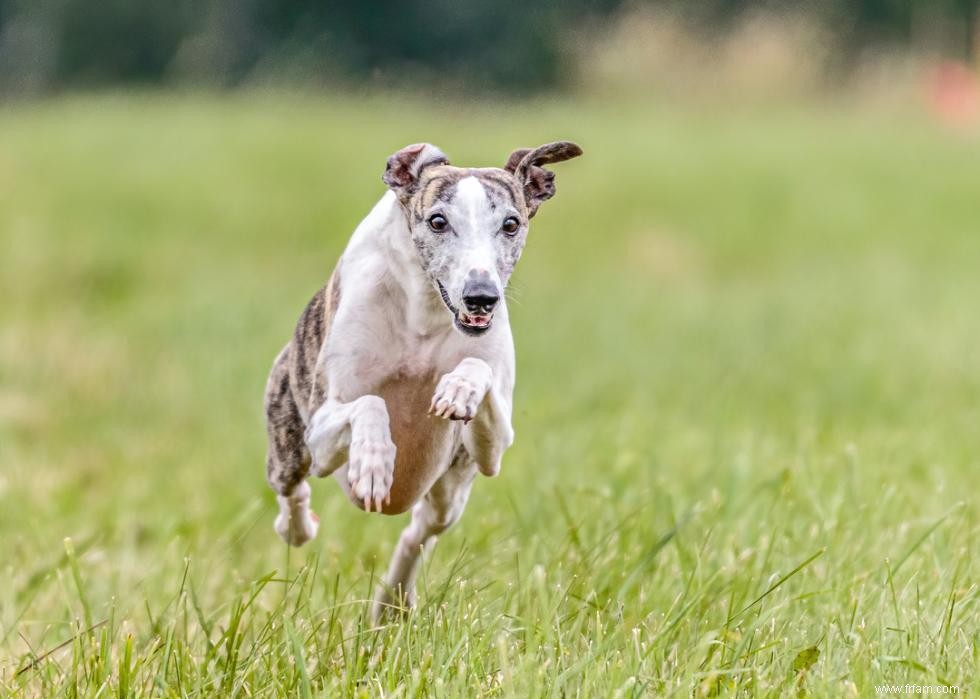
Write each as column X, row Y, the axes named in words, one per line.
column 747, row 408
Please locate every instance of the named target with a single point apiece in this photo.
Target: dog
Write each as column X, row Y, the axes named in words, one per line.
column 399, row 378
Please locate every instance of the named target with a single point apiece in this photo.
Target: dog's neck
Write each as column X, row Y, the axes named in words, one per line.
column 424, row 312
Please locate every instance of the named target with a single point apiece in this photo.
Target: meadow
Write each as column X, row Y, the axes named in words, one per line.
column 747, row 410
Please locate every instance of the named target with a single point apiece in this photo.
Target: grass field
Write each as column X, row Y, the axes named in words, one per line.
column 747, row 413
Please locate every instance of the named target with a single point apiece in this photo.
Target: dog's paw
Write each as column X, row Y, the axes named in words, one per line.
column 460, row 392
column 387, row 607
column 371, row 470
column 297, row 523
column 297, row 530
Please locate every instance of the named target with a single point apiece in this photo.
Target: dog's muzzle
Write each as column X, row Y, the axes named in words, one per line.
column 480, row 298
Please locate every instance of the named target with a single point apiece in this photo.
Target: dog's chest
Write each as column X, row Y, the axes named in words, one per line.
column 424, row 444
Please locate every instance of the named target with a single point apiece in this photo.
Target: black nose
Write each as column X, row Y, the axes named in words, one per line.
column 480, row 296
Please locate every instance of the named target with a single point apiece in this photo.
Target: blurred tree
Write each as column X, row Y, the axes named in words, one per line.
column 119, row 40
column 495, row 45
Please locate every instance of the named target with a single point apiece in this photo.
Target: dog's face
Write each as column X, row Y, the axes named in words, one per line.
column 469, row 224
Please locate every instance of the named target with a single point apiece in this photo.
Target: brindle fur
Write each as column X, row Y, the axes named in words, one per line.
column 295, row 390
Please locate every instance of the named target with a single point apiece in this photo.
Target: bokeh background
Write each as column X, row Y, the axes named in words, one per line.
column 749, row 391
column 479, row 46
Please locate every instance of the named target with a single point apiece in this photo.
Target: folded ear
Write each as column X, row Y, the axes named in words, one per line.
column 538, row 183
column 406, row 166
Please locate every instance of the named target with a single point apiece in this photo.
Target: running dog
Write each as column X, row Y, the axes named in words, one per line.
column 399, row 377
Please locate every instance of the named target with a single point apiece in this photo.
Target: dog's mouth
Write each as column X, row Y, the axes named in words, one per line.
column 467, row 323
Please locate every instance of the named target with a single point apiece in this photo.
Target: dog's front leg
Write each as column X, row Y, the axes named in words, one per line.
column 356, row 433
column 470, row 393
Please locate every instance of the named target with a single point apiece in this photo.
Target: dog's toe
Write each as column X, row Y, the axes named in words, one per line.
column 456, row 398
column 371, row 472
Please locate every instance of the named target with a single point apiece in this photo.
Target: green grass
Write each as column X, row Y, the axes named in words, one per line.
column 747, row 413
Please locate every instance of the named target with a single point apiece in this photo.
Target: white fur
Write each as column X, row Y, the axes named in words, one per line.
column 392, row 323
column 296, row 523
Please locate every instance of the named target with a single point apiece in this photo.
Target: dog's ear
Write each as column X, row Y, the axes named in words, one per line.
column 538, row 183
column 405, row 167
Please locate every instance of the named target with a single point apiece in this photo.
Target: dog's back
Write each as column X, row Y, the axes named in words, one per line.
column 295, row 389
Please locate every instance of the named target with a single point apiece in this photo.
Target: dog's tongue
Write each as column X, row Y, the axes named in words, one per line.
column 475, row 321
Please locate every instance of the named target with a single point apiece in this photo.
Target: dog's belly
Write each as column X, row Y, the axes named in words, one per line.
column 424, row 444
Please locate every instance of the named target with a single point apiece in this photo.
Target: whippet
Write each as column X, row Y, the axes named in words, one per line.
column 399, row 377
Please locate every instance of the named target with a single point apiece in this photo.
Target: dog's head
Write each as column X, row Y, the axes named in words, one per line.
column 469, row 224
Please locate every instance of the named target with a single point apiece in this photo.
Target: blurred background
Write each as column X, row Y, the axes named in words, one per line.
column 482, row 46
column 747, row 319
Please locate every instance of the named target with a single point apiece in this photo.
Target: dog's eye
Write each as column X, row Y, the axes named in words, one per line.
column 438, row 223
column 511, row 224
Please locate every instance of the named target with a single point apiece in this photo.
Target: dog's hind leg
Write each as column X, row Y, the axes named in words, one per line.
column 440, row 509
column 288, row 461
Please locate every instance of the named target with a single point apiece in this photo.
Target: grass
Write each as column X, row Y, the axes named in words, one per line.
column 746, row 413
